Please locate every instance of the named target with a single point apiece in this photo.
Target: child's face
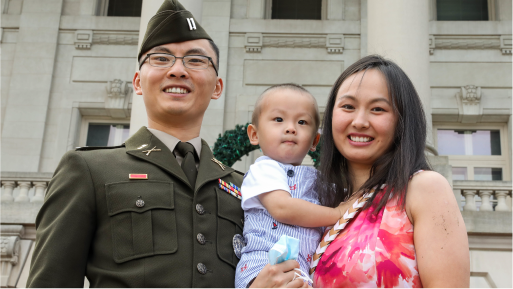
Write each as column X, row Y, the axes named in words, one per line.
column 286, row 126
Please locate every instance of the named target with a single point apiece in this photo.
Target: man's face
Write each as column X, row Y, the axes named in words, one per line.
column 178, row 94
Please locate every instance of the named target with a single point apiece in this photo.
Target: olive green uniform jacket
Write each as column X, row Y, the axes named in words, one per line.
column 90, row 225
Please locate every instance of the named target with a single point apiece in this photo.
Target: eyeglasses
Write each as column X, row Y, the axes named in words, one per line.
column 168, row 60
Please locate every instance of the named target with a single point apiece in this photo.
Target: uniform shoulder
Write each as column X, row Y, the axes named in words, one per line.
column 87, row 148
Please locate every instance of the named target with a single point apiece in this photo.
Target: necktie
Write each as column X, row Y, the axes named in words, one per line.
column 188, row 162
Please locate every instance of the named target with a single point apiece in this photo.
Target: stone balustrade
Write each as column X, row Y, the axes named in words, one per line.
column 24, row 187
column 484, row 195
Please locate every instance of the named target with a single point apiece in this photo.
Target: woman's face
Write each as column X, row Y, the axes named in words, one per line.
column 363, row 118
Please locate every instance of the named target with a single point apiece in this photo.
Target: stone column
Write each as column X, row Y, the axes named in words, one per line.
column 30, row 85
column 24, row 189
column 399, row 30
column 501, row 201
column 485, row 200
column 470, row 202
column 39, row 194
column 8, row 188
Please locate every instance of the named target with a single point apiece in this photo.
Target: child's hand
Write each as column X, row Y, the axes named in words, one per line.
column 342, row 207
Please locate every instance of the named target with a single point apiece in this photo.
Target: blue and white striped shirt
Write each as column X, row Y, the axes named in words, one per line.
column 261, row 230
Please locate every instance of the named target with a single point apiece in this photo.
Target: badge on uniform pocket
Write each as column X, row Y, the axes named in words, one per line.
column 238, row 245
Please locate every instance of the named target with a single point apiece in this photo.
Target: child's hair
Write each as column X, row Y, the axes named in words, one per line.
column 292, row 86
column 404, row 157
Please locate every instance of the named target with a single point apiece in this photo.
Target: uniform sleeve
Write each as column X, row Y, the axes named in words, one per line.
column 65, row 226
column 263, row 177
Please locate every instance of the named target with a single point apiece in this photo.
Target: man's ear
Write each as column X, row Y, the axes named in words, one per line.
column 316, row 141
column 136, row 83
column 218, row 89
column 252, row 134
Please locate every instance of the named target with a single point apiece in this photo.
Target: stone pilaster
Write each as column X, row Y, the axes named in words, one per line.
column 30, row 85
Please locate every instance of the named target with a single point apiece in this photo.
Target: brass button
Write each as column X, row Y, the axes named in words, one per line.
column 139, row 203
column 199, row 209
column 202, row 268
column 201, row 239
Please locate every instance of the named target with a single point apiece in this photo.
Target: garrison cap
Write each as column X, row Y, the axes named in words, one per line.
column 172, row 23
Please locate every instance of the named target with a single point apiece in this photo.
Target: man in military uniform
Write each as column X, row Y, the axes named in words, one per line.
column 151, row 213
column 148, row 213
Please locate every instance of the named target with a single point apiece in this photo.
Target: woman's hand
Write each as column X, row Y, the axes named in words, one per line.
column 279, row 275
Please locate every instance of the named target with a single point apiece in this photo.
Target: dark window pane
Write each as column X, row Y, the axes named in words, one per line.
column 462, row 10
column 107, row 134
column 125, row 8
column 296, row 9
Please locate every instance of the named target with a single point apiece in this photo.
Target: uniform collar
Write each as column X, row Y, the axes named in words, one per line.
column 144, row 140
column 171, row 141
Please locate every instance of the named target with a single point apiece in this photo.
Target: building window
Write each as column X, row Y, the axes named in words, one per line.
column 462, row 10
column 127, row 8
column 100, row 134
column 296, row 9
column 103, row 131
column 475, row 153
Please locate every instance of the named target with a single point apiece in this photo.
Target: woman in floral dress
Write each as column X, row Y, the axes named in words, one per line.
column 410, row 232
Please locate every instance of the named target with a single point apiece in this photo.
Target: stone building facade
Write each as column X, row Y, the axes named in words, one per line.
column 67, row 66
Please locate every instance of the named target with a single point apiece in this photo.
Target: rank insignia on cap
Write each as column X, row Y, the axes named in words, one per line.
column 138, row 176
column 230, row 188
column 192, row 25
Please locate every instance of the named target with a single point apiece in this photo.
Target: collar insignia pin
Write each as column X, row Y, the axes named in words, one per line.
column 154, row 149
column 219, row 163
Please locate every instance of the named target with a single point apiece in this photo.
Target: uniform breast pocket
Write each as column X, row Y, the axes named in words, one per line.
column 229, row 223
column 142, row 219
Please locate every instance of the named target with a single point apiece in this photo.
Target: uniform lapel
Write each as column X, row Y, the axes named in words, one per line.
column 163, row 158
column 209, row 170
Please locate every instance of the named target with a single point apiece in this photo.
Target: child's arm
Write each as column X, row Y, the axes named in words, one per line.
column 288, row 210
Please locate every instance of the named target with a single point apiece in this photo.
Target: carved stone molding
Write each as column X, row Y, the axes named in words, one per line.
column 83, row 39
column 470, row 99
column 9, row 251
column 294, row 42
column 506, row 44
column 470, row 42
column 431, row 44
column 334, row 43
column 471, row 94
column 115, row 38
column 253, row 42
column 118, row 97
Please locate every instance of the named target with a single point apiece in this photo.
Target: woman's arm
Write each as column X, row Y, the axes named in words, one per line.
column 292, row 211
column 440, row 236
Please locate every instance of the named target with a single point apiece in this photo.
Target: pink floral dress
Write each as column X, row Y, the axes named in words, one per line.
column 372, row 251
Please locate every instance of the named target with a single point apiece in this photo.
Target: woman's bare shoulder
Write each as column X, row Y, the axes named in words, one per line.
column 428, row 190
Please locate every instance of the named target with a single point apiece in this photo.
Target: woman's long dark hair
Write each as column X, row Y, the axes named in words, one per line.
column 400, row 161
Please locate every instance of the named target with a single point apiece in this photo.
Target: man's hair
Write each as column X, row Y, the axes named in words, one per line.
column 258, row 105
column 212, row 45
column 216, row 51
